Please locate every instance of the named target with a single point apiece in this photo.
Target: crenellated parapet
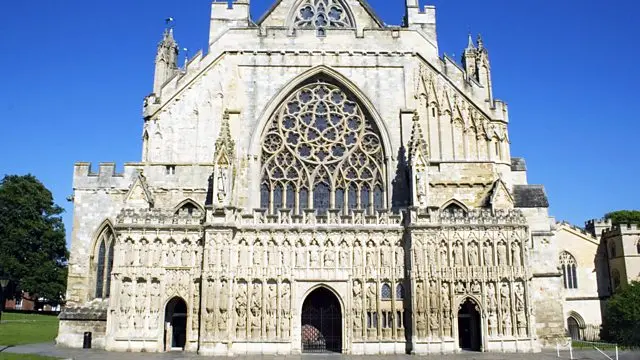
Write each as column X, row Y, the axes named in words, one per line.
column 480, row 217
column 105, row 178
column 597, row 226
column 621, row 229
column 158, row 218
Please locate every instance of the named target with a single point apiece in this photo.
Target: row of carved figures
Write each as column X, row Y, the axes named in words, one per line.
column 157, row 254
column 503, row 302
column 459, row 254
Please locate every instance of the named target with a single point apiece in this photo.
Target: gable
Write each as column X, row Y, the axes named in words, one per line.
column 139, row 195
column 283, row 13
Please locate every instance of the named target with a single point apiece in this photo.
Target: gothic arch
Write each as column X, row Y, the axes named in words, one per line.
column 578, row 318
column 101, row 259
column 325, row 286
column 295, row 20
column 291, row 86
column 456, row 203
column 188, row 202
column 323, row 150
column 474, row 299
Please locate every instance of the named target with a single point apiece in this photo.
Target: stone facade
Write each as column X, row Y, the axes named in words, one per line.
column 316, row 149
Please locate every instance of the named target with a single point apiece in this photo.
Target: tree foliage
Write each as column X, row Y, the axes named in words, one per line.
column 32, row 238
column 622, row 316
column 624, row 217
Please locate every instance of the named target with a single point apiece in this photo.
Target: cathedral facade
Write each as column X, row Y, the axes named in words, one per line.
column 318, row 181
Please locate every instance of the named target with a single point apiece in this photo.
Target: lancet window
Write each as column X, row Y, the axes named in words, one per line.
column 322, row 151
column 104, row 262
column 569, row 275
column 323, row 14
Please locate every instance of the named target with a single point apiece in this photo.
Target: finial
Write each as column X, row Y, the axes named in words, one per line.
column 470, row 42
column 169, row 22
column 480, row 42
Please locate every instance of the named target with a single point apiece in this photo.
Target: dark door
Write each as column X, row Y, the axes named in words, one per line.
column 176, row 316
column 469, row 328
column 321, row 322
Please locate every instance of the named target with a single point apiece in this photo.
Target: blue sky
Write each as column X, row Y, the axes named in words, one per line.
column 76, row 72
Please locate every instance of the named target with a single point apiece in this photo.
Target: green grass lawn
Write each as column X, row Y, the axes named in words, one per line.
column 7, row 356
column 19, row 329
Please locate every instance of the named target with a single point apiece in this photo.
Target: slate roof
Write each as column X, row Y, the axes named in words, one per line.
column 530, row 196
column 518, row 164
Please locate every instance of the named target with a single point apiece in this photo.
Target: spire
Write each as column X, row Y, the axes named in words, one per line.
column 480, row 42
column 166, row 58
column 470, row 45
column 418, row 148
column 225, row 145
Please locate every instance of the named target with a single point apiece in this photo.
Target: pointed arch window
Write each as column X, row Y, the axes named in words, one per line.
column 322, row 15
column 104, row 262
column 385, row 292
column 399, row 292
column 569, row 273
column 325, row 150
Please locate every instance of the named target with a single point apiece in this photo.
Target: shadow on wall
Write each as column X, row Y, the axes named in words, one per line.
column 400, row 183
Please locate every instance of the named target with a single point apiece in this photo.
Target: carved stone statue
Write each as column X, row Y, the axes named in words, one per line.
column 372, row 297
column 475, row 287
column 515, row 249
column 300, row 256
column 491, row 297
column 502, row 254
column 446, row 302
column 433, row 295
column 329, row 258
column 519, row 292
column 399, row 257
column 371, row 256
column 314, row 257
column 504, row 298
column 186, row 258
column 344, row 256
column 456, row 254
column 473, row 254
column 487, row 255
column 420, row 298
column 357, row 256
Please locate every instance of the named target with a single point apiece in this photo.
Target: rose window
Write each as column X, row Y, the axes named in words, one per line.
column 321, row 151
column 322, row 14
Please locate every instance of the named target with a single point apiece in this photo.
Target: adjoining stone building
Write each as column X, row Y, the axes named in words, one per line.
column 318, row 181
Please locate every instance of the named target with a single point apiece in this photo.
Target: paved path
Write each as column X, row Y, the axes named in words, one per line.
column 49, row 349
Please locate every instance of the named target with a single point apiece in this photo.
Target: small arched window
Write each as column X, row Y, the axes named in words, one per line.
column 385, row 292
column 104, row 262
column 187, row 207
column 615, row 275
column 612, row 250
column 454, row 207
column 399, row 292
column 569, row 273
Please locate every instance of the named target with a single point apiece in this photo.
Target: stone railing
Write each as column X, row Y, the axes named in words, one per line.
column 158, row 217
column 471, row 217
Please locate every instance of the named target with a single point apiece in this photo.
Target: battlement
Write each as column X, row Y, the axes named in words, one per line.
column 597, row 226
column 105, row 177
column 158, row 218
column 622, row 229
column 473, row 217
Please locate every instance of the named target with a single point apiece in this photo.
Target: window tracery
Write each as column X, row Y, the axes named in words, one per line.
column 321, row 151
column 569, row 275
column 323, row 14
column 104, row 262
column 385, row 292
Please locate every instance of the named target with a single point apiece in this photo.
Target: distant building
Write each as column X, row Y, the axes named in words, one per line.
column 24, row 303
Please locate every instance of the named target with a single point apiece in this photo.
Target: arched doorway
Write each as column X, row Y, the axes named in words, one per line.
column 321, row 322
column 574, row 328
column 175, row 325
column 469, row 327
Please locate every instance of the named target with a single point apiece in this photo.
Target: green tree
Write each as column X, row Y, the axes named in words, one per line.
column 622, row 316
column 624, row 217
column 32, row 238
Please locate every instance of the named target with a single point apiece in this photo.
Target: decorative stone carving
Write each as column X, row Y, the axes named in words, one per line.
column 241, row 309
column 515, row 250
column 502, row 254
column 473, row 254
column 487, row 254
column 372, row 297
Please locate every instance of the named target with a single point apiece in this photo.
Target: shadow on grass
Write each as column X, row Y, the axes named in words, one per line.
column 3, row 347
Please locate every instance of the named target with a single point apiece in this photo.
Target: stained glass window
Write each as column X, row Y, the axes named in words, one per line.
column 323, row 14
column 569, row 275
column 321, row 139
column 385, row 292
column 399, row 292
column 104, row 262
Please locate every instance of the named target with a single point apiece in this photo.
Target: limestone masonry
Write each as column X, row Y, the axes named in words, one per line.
column 320, row 181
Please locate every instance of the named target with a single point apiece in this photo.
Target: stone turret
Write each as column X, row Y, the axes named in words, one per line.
column 166, row 61
column 226, row 15
column 476, row 63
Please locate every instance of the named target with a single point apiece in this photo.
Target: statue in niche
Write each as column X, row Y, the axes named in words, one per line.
column 300, row 256
column 420, row 297
column 460, row 288
column 506, row 324
column 241, row 309
column 144, row 255
column 271, row 325
column 399, row 257
column 221, row 179
column 371, row 256
column 446, row 324
column 329, row 257
column 157, row 254
column 284, row 256
column 504, row 298
column 186, row 261
column 141, row 297
column 211, row 296
column 475, row 287
column 433, row 322
column 256, row 298
column 473, row 254
column 491, row 297
column 130, row 254
column 222, row 320
column 125, row 297
column 155, row 296
column 487, row 255
column 502, row 254
column 371, row 297
column 519, row 292
column 421, row 189
column 285, row 299
column 521, row 322
column 257, row 255
column 224, row 296
column 446, row 302
column 314, row 256
column 431, row 253
column 357, row 295
column 433, row 295
column 385, row 256
column 285, row 325
column 243, row 254
column 444, row 258
column 270, row 306
column 209, row 321
column 357, row 256
column 344, row 256
column 456, row 254
column 515, row 249
column 420, row 325
column 493, row 323
column 271, row 256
